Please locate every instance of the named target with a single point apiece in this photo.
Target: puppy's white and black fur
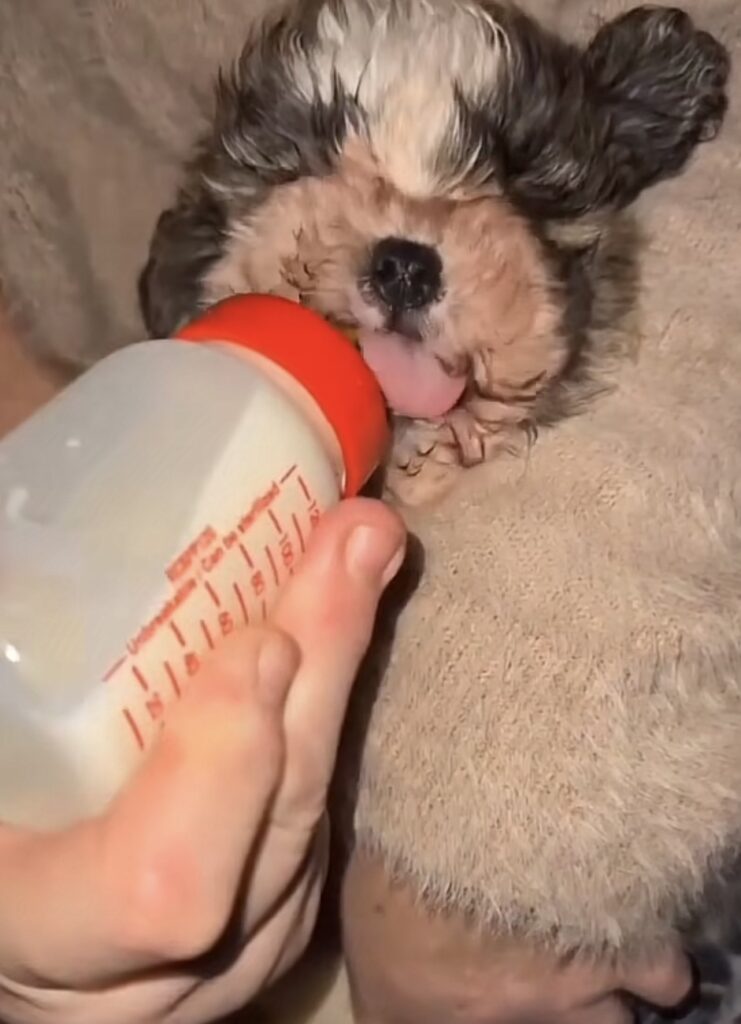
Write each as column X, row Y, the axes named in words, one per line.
column 503, row 155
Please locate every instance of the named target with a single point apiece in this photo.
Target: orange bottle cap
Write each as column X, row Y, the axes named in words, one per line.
column 320, row 358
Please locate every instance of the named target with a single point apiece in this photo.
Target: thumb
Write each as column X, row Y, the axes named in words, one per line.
column 329, row 608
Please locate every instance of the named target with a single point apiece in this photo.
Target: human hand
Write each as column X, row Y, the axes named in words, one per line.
column 201, row 882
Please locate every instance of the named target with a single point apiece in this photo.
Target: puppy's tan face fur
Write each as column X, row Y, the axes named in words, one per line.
column 497, row 318
column 449, row 177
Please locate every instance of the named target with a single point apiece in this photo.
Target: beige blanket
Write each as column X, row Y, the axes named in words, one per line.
column 557, row 739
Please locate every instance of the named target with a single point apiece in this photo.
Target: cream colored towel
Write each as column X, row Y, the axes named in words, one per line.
column 557, row 741
column 100, row 100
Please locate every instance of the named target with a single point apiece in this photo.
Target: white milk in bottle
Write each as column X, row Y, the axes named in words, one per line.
column 156, row 505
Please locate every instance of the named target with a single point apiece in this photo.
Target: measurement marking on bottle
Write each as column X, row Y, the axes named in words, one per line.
column 226, row 623
column 211, row 597
column 287, row 553
column 156, row 709
column 242, row 605
column 131, row 721
column 246, row 556
column 178, row 635
column 207, row 634
column 273, row 566
column 173, row 678
column 299, row 533
column 275, row 521
column 138, row 675
column 114, row 669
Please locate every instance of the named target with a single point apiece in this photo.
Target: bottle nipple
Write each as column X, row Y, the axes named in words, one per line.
column 324, row 360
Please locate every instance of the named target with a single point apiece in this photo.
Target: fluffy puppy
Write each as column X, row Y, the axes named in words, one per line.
column 451, row 180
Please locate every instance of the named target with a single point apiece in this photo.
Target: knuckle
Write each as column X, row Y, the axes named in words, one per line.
column 166, row 917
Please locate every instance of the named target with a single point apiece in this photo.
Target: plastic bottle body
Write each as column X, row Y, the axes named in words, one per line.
column 158, row 504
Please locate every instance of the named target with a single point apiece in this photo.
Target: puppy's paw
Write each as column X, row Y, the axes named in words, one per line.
column 428, row 458
column 417, row 441
column 430, row 483
column 665, row 81
column 480, row 433
column 424, row 463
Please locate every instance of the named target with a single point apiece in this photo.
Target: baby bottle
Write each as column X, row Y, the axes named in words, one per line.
column 156, row 505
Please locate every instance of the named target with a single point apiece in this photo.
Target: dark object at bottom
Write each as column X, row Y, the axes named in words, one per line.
column 718, row 995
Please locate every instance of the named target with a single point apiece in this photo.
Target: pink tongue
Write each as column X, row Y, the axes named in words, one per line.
column 412, row 379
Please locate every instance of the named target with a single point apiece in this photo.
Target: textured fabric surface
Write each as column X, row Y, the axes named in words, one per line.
column 100, row 100
column 555, row 743
column 555, row 740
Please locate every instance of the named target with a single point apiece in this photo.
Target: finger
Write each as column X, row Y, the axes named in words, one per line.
column 663, row 980
column 155, row 878
column 330, row 608
column 198, row 808
column 268, row 954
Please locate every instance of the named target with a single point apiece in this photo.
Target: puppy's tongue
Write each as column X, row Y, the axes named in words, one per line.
column 413, row 381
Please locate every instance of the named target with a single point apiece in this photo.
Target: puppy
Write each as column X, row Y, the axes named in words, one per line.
column 451, row 180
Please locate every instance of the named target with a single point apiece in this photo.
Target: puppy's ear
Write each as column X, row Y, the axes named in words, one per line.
column 272, row 124
column 588, row 129
column 187, row 241
column 660, row 84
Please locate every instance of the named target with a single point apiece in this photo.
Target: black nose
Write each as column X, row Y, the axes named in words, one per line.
column 405, row 275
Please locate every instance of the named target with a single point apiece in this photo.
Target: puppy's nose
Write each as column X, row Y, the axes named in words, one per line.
column 405, row 275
